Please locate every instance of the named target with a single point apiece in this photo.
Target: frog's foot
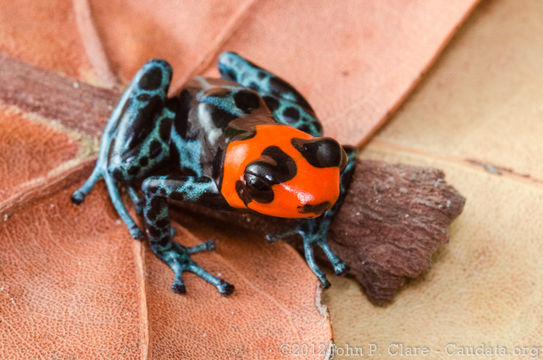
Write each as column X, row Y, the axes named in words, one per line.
column 178, row 257
column 314, row 233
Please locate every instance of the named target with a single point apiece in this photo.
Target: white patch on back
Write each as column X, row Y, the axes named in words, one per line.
column 206, row 122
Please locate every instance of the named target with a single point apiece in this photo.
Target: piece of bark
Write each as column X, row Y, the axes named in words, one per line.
column 393, row 219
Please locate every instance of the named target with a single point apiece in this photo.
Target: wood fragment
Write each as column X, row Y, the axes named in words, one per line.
column 394, row 218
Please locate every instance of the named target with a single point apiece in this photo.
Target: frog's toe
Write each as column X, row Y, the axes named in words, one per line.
column 208, row 245
column 77, row 197
column 341, row 268
column 179, row 259
column 273, row 237
column 325, row 283
column 225, row 288
column 179, row 287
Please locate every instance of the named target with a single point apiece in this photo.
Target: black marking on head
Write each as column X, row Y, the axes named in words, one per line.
column 317, row 209
column 291, row 115
column 247, row 101
column 154, row 149
column 273, row 167
column 151, row 80
column 253, row 86
column 164, row 130
column 281, row 168
column 261, row 75
column 272, row 102
column 321, row 152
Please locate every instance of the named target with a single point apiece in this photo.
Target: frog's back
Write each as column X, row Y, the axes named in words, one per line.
column 210, row 113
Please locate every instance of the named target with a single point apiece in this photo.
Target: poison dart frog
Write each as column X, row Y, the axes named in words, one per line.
column 248, row 141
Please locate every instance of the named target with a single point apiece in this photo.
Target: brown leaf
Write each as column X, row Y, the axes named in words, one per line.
column 72, row 273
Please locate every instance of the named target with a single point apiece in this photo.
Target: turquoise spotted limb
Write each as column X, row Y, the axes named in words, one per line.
column 287, row 105
column 157, row 190
column 145, row 95
column 314, row 232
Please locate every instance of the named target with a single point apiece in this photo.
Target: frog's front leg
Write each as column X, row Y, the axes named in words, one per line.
column 287, row 105
column 157, row 190
column 135, row 140
column 314, row 232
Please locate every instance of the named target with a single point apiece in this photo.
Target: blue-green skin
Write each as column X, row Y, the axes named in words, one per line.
column 170, row 146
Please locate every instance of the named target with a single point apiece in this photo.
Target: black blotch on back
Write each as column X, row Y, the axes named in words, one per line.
column 143, row 122
column 181, row 108
column 247, row 101
column 291, row 115
column 321, row 152
column 164, row 130
column 273, row 103
column 220, row 117
column 218, row 165
column 151, row 80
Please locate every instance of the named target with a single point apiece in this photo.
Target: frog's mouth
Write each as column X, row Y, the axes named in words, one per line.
column 317, row 209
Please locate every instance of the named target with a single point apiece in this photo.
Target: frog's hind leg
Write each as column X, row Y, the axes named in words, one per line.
column 286, row 103
column 135, row 138
column 157, row 190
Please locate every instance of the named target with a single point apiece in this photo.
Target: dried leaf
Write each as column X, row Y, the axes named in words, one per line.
column 73, row 273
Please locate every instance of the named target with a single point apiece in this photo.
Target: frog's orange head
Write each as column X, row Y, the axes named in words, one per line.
column 294, row 175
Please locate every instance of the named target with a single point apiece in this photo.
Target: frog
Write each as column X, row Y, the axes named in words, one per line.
column 247, row 141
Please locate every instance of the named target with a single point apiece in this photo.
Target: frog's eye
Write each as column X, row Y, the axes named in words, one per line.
column 321, row 152
column 259, row 188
